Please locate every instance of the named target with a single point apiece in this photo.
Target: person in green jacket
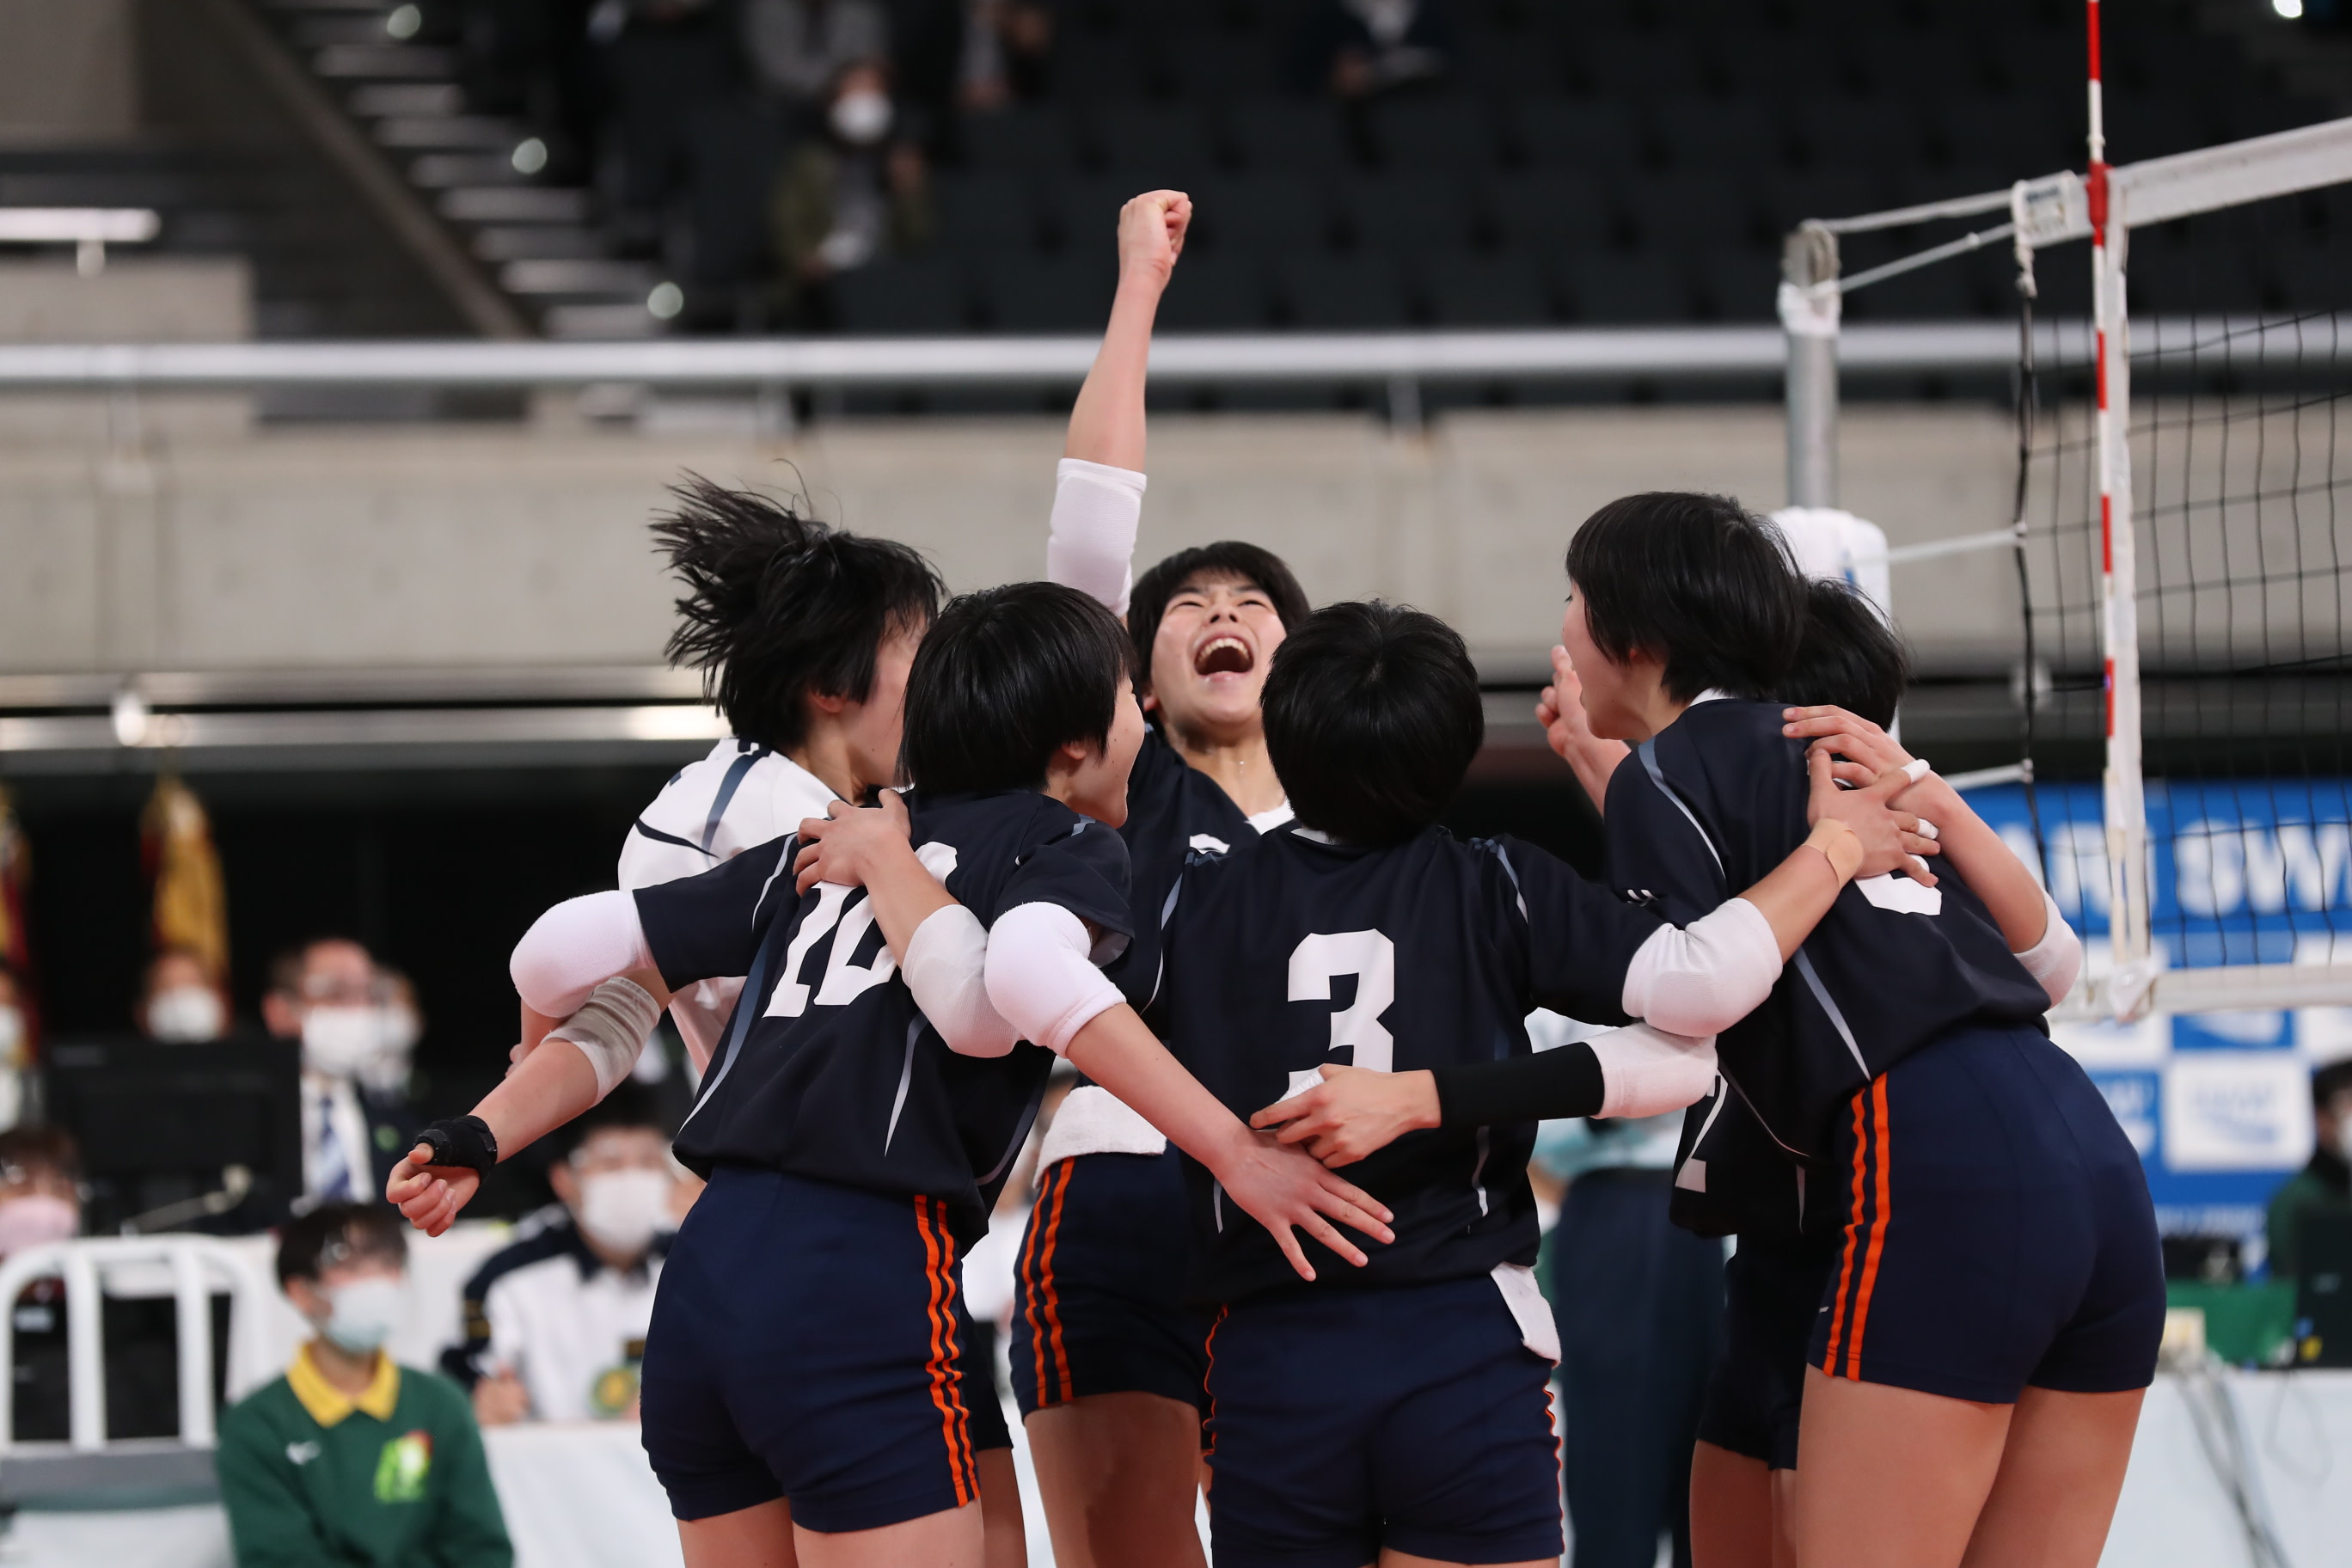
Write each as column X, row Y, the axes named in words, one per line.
column 2324, row 1186
column 350, row 1459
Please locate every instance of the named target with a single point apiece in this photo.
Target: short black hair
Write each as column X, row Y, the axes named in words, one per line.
column 1005, row 677
column 1228, row 558
column 1372, row 717
column 290, row 963
column 779, row 604
column 1850, row 658
column 40, row 1148
column 336, row 1233
column 1697, row 582
column 2329, row 1081
column 630, row 1105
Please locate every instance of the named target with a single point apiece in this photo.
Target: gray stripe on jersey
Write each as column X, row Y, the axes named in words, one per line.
column 1648, row 751
column 726, row 795
column 906, row 1076
column 1837, row 1019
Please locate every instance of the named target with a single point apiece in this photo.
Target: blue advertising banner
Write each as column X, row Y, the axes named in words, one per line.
column 2240, row 872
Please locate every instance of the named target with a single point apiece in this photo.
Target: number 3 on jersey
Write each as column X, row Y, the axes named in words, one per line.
column 1368, row 956
column 848, row 908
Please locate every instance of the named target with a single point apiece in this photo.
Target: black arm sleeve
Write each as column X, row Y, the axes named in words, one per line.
column 1550, row 1084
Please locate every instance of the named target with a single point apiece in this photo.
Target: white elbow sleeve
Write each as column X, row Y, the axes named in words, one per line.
column 2057, row 960
column 1040, row 978
column 1090, row 543
column 575, row 946
column 1645, row 1071
column 947, row 969
column 611, row 1029
column 1706, row 976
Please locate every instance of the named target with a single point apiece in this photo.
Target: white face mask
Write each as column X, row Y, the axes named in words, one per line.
column 338, row 1041
column 11, row 1035
column 861, row 119
column 35, row 1219
column 624, row 1209
column 186, row 1015
column 364, row 1313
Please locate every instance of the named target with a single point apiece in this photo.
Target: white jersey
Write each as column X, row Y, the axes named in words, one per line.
column 573, row 1329
column 741, row 794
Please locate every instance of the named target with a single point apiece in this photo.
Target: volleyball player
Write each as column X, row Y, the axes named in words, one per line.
column 801, row 1393
column 1976, row 1369
column 1106, row 1358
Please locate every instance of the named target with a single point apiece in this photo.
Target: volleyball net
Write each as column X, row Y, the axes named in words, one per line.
column 2182, row 537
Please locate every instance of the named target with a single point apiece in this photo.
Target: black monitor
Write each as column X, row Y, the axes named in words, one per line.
column 164, row 1128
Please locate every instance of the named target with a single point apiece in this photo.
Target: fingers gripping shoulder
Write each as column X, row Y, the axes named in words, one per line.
column 1040, row 979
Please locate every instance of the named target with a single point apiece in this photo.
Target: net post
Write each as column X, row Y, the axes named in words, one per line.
column 1810, row 309
column 2123, row 793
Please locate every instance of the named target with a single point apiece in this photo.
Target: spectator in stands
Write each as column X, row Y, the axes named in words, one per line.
column 15, row 1045
column 799, row 49
column 852, row 195
column 40, row 1188
column 1355, row 48
column 329, row 993
column 1008, row 50
column 178, row 1003
column 2324, row 1186
column 349, row 1459
column 555, row 1323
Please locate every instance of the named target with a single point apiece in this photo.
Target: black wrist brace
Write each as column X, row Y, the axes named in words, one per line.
column 465, row 1140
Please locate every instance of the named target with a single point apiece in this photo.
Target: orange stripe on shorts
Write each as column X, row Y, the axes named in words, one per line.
column 1853, row 1228
column 1051, row 1297
column 938, row 1261
column 1882, row 1213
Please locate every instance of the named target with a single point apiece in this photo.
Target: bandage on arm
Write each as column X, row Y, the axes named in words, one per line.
column 611, row 1029
column 575, row 947
column 947, row 969
column 1090, row 542
column 1040, row 978
column 2057, row 960
column 1704, row 978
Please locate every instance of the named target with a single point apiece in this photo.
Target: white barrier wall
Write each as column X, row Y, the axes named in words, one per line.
column 454, row 545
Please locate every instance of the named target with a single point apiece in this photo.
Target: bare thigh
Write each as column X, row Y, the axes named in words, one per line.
column 1891, row 1478
column 756, row 1537
column 1118, row 1475
column 951, row 1538
column 1000, row 1509
column 1407, row 1560
column 2060, row 1475
column 1730, row 1510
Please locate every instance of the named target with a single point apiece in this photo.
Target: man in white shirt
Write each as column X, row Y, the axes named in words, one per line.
column 555, row 1321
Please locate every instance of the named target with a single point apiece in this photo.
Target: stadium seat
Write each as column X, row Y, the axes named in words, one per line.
column 1155, row 144
column 1359, row 290
column 1849, row 134
column 1025, row 137
column 1066, row 293
column 1280, row 134
column 1091, row 66
column 1216, row 291
column 1407, row 214
column 2025, row 137
column 1516, row 62
column 1625, row 288
column 1208, row 66
column 1551, row 209
column 1634, row 66
column 1448, row 135
column 1504, row 288
column 1564, row 133
column 1738, row 284
column 917, row 295
column 1083, row 210
column 1690, row 209
column 1267, row 213
column 986, row 211
column 1714, row 132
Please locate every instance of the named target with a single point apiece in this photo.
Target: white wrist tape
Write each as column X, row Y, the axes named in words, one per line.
column 2057, row 960
column 1040, row 978
column 611, row 1029
column 947, row 969
column 1090, row 542
column 1645, row 1071
column 1706, row 976
column 573, row 947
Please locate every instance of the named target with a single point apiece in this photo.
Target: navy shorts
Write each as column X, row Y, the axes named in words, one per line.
column 1410, row 1417
column 1999, row 1229
column 1772, row 1291
column 805, row 1343
column 1098, row 1291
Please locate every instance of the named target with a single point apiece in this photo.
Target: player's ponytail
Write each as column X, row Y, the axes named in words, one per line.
column 779, row 606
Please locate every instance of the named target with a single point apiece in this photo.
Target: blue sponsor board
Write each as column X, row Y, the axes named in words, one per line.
column 2251, row 871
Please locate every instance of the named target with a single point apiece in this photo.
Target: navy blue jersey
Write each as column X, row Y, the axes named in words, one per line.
column 1173, row 810
column 828, row 1069
column 1297, row 952
column 1710, row 806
